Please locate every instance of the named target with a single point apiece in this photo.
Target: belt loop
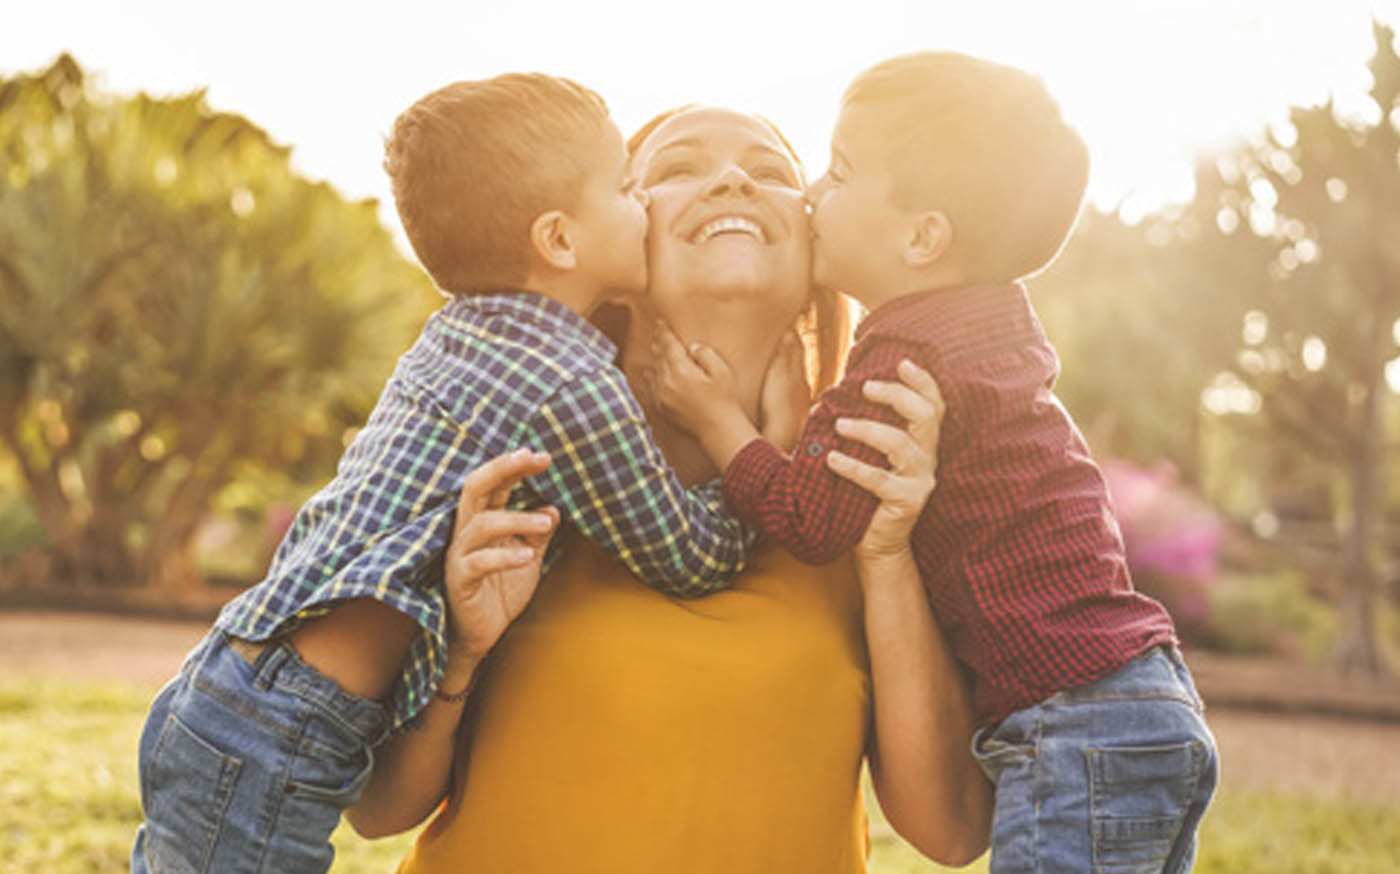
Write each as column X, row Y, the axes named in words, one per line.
column 269, row 663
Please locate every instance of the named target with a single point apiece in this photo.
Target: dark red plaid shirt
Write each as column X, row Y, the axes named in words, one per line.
column 1018, row 546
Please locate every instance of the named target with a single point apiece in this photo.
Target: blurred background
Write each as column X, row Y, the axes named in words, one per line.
column 203, row 287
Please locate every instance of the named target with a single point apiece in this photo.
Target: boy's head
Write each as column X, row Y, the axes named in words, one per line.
column 516, row 179
column 963, row 166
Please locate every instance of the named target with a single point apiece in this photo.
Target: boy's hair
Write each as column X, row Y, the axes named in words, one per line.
column 984, row 143
column 473, row 164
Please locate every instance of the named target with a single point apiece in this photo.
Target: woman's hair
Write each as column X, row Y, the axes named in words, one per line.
column 825, row 325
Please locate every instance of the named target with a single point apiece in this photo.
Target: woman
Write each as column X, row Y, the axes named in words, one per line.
column 618, row 730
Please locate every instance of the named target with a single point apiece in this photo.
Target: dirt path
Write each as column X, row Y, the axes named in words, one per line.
column 1328, row 757
column 142, row 652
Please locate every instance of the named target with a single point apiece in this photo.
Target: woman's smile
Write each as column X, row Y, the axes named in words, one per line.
column 730, row 226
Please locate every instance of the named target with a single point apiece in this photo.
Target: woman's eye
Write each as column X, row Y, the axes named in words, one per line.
column 774, row 174
column 672, row 171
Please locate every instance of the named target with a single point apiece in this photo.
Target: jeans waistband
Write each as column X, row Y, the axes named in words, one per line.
column 276, row 666
column 1159, row 672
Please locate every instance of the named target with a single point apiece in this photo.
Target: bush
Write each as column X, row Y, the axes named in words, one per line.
column 1268, row 613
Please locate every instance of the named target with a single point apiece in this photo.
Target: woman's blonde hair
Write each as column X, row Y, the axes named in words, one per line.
column 825, row 325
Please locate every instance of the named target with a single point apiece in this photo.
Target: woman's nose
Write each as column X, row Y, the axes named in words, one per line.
column 732, row 180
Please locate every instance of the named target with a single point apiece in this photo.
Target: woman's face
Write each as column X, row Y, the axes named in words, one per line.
column 726, row 214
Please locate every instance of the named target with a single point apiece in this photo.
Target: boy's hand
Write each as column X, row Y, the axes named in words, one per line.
column 493, row 562
column 912, row 452
column 696, row 389
column 786, row 397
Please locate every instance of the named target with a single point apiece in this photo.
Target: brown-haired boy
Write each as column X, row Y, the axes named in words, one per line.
column 951, row 179
column 514, row 193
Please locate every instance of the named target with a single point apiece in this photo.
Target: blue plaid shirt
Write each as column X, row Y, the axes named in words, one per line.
column 489, row 374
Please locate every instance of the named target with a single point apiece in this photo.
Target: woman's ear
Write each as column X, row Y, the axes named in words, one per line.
column 551, row 241
column 930, row 235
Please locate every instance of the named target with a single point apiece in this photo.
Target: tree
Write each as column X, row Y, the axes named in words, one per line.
column 1280, row 282
column 1107, row 303
column 1319, row 316
column 177, row 305
column 1262, row 317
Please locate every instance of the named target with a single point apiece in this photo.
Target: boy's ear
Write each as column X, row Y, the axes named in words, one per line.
column 930, row 235
column 552, row 242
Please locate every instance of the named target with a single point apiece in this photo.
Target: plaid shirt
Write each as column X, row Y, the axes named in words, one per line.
column 1017, row 546
column 489, row 374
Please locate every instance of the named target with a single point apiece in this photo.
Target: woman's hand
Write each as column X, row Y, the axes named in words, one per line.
column 492, row 570
column 493, row 562
column 930, row 788
column 912, row 453
column 786, row 397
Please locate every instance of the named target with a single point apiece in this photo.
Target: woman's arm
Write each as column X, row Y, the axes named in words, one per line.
column 492, row 569
column 929, row 786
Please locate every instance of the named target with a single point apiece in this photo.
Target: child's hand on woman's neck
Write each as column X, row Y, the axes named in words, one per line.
column 746, row 342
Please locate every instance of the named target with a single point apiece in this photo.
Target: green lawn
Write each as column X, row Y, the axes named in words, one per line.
column 68, row 803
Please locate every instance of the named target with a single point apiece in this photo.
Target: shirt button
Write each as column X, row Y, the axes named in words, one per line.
column 814, row 449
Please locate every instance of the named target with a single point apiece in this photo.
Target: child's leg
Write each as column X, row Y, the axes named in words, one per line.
column 247, row 767
column 1108, row 777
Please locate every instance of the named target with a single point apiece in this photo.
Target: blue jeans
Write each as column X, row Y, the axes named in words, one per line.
column 247, row 767
column 1109, row 777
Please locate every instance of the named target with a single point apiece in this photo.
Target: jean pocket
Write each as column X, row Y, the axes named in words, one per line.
column 1139, row 798
column 188, row 783
column 996, row 752
column 321, row 781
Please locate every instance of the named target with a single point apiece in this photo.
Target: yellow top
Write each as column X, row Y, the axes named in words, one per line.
column 622, row 731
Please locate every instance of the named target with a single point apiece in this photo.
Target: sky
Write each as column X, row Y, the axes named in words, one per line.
column 1149, row 83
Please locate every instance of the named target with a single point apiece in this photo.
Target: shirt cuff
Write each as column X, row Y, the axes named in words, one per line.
column 749, row 472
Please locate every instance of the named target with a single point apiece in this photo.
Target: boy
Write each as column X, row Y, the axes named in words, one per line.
column 951, row 179
column 515, row 196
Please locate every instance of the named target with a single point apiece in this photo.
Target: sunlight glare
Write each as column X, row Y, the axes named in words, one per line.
column 1392, row 375
column 1256, row 327
column 1228, row 394
column 1314, row 354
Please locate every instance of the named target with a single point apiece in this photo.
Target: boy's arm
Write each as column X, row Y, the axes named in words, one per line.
column 796, row 500
column 610, row 479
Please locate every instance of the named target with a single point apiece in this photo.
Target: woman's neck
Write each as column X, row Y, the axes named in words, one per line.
column 731, row 327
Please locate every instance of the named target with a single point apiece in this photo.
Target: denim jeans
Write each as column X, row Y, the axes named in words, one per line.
column 247, row 767
column 1110, row 777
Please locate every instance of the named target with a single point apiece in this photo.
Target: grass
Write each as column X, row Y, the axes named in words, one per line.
column 68, row 803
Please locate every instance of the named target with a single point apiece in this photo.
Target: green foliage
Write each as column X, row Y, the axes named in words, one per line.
column 69, row 797
column 1270, row 833
column 1246, row 335
column 69, row 803
column 177, row 306
column 1259, row 614
column 1133, row 386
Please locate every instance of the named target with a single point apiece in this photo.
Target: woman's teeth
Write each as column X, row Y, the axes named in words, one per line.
column 729, row 225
